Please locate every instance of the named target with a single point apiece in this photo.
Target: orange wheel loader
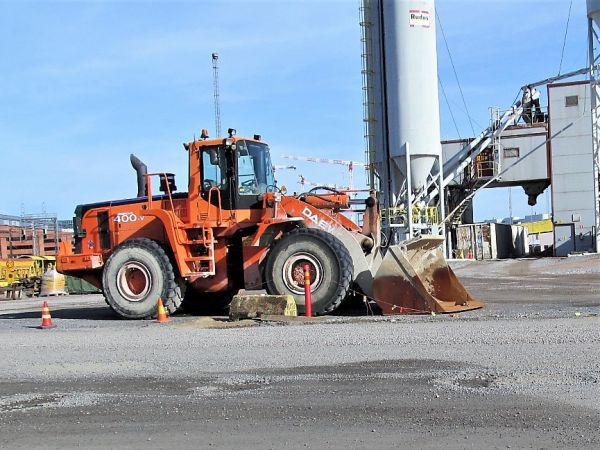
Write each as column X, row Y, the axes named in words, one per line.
column 234, row 229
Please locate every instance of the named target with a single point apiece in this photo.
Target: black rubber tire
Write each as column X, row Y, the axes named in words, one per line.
column 164, row 283
column 336, row 263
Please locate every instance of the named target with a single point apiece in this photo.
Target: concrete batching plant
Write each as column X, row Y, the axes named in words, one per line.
column 406, row 161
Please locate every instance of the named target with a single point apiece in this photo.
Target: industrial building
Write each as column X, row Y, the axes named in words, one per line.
column 32, row 235
column 555, row 153
column 428, row 190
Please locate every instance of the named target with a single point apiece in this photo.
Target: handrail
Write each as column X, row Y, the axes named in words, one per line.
column 481, row 167
column 149, row 191
column 149, row 195
column 218, row 191
column 470, row 151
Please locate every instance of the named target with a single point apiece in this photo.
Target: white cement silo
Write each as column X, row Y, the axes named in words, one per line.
column 411, row 86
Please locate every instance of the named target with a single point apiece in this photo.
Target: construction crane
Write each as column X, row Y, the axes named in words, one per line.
column 302, row 181
column 348, row 163
column 215, row 65
column 277, row 167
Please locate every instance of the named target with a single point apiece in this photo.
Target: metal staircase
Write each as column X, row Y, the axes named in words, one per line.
column 462, row 199
column 465, row 160
column 200, row 245
column 484, row 167
column 455, row 165
column 200, row 239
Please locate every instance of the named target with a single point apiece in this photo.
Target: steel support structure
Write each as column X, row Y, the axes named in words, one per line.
column 217, row 100
column 594, row 59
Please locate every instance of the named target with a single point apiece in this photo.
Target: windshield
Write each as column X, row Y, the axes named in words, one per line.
column 255, row 171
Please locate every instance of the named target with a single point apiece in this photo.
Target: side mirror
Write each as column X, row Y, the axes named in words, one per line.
column 214, row 157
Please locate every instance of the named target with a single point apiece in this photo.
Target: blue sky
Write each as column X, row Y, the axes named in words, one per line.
column 85, row 83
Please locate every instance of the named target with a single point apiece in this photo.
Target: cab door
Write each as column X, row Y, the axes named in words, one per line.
column 217, row 173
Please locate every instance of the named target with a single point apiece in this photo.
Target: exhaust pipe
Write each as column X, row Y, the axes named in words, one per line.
column 141, row 170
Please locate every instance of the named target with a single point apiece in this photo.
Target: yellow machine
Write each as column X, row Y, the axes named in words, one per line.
column 13, row 270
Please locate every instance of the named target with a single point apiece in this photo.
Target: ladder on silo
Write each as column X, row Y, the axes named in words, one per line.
column 367, row 72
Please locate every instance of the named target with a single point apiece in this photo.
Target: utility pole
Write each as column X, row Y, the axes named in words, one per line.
column 510, row 212
column 215, row 64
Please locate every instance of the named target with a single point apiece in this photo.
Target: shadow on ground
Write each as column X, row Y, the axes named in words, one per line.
column 94, row 313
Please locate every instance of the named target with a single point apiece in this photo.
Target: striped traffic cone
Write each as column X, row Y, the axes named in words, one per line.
column 161, row 317
column 46, row 317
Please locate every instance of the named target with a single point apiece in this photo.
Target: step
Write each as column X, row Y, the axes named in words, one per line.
column 200, row 242
column 202, row 274
column 198, row 258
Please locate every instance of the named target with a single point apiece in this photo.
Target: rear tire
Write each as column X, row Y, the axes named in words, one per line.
column 136, row 274
column 330, row 264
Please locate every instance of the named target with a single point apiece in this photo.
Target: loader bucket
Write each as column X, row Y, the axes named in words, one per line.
column 414, row 278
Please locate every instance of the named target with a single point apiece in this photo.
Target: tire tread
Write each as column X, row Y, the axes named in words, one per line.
column 174, row 295
column 341, row 252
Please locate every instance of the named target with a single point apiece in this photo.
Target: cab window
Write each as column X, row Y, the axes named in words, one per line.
column 212, row 174
column 255, row 172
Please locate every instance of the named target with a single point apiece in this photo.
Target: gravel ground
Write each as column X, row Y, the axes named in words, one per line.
column 523, row 372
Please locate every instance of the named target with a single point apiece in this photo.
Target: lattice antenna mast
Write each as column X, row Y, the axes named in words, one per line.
column 215, row 65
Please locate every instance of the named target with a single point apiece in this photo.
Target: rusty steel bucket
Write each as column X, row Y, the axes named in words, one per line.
column 414, row 278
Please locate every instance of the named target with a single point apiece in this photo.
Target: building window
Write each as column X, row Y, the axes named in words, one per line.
column 571, row 100
column 511, row 152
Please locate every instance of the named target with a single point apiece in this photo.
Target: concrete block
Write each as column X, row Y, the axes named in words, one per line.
column 253, row 306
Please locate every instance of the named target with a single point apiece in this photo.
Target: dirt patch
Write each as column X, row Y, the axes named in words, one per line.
column 217, row 323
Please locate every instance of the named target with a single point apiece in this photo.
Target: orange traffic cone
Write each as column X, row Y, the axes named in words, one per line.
column 161, row 317
column 46, row 318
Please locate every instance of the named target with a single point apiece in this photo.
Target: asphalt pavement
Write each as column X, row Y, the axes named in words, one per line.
column 524, row 372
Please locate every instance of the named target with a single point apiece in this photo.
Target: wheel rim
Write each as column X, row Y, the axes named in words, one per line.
column 134, row 281
column 293, row 272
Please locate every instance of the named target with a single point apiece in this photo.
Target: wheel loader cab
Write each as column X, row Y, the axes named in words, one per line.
column 240, row 169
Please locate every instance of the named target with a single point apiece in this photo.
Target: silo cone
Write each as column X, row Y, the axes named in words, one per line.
column 53, row 283
column 414, row 278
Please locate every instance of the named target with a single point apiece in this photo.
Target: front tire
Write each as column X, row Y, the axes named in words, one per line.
column 330, row 264
column 136, row 274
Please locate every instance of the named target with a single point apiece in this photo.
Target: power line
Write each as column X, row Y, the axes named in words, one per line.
column 449, row 108
column 455, row 73
column 562, row 53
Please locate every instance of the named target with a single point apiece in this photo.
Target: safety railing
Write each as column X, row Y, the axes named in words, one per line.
column 164, row 183
column 421, row 215
column 531, row 116
column 484, row 169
